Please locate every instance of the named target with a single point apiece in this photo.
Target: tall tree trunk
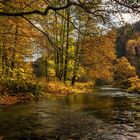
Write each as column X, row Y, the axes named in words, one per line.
column 46, row 67
column 14, row 48
column 57, row 52
column 4, row 62
column 63, row 30
column 1, row 54
column 78, row 55
column 57, row 61
column 75, row 69
column 67, row 47
column 3, row 59
column 66, row 52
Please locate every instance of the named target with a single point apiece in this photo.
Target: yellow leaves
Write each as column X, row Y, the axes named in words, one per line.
column 20, row 80
column 56, row 87
column 17, row 37
column 21, row 74
column 132, row 43
column 134, row 84
column 124, row 70
column 61, row 88
column 99, row 55
column 131, row 46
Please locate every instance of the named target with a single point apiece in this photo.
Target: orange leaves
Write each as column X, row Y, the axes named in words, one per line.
column 124, row 70
column 131, row 46
column 98, row 57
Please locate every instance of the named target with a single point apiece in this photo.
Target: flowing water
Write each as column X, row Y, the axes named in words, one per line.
column 107, row 114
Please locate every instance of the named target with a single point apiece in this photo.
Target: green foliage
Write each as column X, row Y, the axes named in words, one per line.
column 20, row 81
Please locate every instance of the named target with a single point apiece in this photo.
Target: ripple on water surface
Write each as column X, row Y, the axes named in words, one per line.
column 104, row 115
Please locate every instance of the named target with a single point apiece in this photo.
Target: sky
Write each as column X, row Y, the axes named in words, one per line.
column 130, row 18
column 119, row 20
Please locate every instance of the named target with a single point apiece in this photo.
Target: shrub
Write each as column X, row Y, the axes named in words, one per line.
column 61, row 88
column 19, row 81
column 133, row 85
column 123, row 71
column 56, row 87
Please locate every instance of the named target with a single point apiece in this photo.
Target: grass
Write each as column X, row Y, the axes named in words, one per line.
column 51, row 89
column 56, row 87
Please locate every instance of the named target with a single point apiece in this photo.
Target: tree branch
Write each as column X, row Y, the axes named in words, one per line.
column 38, row 12
column 133, row 6
column 44, row 33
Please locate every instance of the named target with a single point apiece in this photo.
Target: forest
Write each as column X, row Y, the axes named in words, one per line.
column 67, row 47
column 69, row 70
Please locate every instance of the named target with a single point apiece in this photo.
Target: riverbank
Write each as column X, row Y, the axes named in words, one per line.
column 14, row 99
column 50, row 89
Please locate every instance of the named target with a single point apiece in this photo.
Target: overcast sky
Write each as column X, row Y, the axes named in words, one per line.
column 130, row 18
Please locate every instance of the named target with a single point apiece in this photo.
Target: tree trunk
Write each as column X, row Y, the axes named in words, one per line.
column 14, row 48
column 67, row 47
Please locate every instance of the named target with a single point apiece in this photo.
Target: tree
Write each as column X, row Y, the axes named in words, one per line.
column 99, row 57
column 124, row 33
column 16, row 40
column 20, row 8
column 127, row 43
column 123, row 71
column 71, row 30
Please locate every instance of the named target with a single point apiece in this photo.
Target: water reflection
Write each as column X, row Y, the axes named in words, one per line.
column 105, row 115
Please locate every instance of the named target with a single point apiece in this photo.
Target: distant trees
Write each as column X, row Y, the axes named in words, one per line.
column 133, row 47
column 124, row 33
column 68, row 34
column 128, row 43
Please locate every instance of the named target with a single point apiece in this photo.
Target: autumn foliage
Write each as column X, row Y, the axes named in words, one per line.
column 65, row 45
column 123, row 72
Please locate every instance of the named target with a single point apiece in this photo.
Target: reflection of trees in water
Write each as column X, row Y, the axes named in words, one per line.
column 75, row 117
column 94, row 100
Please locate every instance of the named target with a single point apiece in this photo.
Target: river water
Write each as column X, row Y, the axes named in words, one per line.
column 107, row 114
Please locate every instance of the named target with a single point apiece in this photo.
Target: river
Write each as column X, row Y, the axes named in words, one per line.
column 108, row 114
